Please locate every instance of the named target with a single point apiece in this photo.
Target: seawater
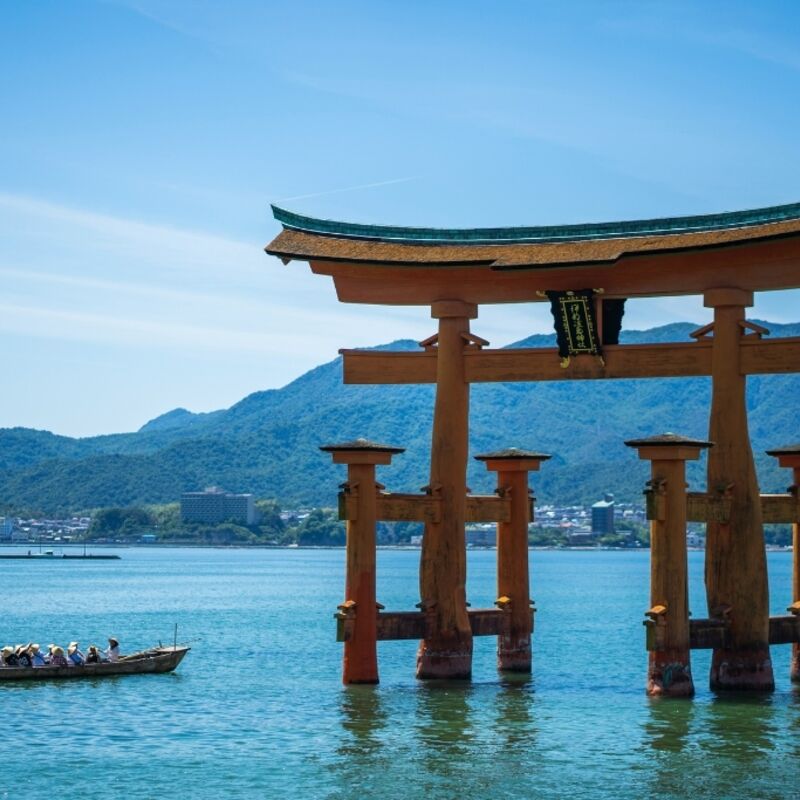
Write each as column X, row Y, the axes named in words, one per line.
column 257, row 708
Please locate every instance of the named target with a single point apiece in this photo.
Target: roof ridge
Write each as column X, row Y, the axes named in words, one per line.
column 543, row 233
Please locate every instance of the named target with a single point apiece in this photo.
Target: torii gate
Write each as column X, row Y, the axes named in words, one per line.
column 724, row 257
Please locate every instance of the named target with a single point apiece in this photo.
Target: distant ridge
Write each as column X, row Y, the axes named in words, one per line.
column 267, row 442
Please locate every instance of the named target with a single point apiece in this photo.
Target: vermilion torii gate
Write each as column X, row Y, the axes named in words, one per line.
column 724, row 257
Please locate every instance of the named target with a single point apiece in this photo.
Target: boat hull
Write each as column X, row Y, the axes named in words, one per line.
column 159, row 659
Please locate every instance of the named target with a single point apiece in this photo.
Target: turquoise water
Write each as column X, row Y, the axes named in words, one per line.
column 257, row 709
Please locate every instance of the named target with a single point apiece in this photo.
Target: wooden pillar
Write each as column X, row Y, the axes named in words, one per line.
column 790, row 457
column 360, row 610
column 669, row 671
column 736, row 564
column 513, row 583
column 446, row 650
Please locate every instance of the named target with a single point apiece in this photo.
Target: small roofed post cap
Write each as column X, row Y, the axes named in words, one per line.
column 512, row 453
column 787, row 450
column 512, row 459
column 361, row 451
column 788, row 456
column 669, row 446
column 362, row 444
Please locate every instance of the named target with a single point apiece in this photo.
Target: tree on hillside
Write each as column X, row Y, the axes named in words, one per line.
column 120, row 523
column 321, row 527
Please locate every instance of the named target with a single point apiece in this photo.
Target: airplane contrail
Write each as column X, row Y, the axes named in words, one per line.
column 348, row 189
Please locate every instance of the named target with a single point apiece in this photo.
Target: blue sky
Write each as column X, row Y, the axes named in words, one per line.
column 142, row 142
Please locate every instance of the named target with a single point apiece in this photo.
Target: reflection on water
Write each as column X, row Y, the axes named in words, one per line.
column 668, row 723
column 257, row 709
column 723, row 748
column 364, row 716
column 730, row 719
column 514, row 720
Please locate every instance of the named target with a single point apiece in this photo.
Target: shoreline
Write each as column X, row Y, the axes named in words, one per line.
column 189, row 545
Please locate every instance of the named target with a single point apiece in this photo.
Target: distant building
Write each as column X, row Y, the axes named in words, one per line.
column 215, row 505
column 695, row 539
column 603, row 515
column 6, row 528
column 482, row 537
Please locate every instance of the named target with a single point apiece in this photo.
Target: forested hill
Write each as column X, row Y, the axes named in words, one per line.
column 268, row 442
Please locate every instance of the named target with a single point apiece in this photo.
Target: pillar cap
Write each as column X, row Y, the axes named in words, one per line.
column 362, row 445
column 512, row 454
column 786, row 450
column 668, row 440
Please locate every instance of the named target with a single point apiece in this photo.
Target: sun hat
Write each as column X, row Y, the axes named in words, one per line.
column 58, row 651
column 7, row 650
column 113, row 642
column 35, row 648
column 72, row 647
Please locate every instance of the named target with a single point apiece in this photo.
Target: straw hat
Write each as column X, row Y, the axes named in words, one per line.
column 58, row 651
column 72, row 647
column 7, row 651
column 35, row 648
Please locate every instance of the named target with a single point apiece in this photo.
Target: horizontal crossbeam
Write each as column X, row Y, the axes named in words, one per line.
column 397, row 507
column 780, row 507
column 683, row 359
column 701, row 507
column 394, row 625
column 707, row 634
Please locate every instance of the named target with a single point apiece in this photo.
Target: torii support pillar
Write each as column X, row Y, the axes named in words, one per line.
column 446, row 650
column 360, row 609
column 790, row 457
column 513, row 583
column 669, row 671
column 736, row 563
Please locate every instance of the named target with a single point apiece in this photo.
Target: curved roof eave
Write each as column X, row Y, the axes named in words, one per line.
column 540, row 234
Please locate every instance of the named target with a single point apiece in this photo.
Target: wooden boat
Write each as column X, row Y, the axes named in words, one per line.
column 156, row 659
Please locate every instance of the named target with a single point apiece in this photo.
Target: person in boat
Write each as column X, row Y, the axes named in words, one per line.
column 75, row 656
column 112, row 652
column 57, row 658
column 36, row 656
column 9, row 657
column 93, row 655
column 23, row 656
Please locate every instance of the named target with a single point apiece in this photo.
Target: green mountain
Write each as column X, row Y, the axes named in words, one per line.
column 268, row 442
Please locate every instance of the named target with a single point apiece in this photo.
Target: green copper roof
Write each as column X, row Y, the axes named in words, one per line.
column 544, row 233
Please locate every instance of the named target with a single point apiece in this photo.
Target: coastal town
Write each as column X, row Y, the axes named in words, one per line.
column 553, row 525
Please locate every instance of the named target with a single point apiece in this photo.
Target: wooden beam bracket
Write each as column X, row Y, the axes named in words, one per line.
column 345, row 620
column 655, row 627
column 704, row 332
column 655, row 500
column 430, row 343
column 757, row 331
